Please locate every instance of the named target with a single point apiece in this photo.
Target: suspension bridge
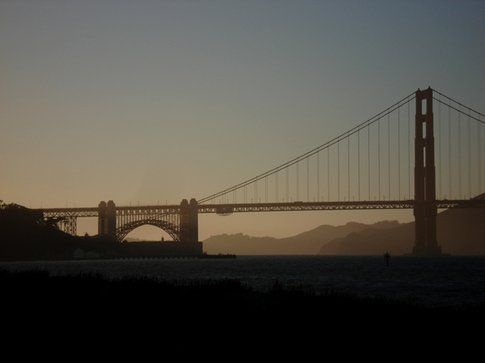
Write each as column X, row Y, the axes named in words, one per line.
column 423, row 152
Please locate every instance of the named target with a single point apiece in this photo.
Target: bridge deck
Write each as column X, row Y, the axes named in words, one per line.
column 266, row 207
column 316, row 206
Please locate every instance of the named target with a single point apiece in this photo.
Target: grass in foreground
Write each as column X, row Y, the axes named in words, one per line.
column 198, row 313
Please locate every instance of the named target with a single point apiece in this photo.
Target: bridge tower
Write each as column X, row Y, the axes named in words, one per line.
column 425, row 209
column 111, row 220
column 107, row 219
column 101, row 218
column 189, row 225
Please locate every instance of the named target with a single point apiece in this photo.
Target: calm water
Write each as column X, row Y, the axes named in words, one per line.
column 430, row 281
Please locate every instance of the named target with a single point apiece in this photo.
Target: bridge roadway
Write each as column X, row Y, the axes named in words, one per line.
column 265, row 207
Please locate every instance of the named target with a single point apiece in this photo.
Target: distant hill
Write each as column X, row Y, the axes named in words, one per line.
column 306, row 243
column 460, row 231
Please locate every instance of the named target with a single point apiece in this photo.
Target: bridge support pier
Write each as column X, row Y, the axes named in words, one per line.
column 107, row 220
column 101, row 218
column 425, row 210
column 69, row 225
column 189, row 226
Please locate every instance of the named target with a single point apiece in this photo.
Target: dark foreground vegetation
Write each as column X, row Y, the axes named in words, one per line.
column 219, row 315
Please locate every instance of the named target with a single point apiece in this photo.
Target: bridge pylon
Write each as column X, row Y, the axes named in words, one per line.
column 107, row 219
column 101, row 218
column 189, row 226
column 425, row 208
column 111, row 220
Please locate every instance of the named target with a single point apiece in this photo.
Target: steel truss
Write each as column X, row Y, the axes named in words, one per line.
column 127, row 219
column 167, row 217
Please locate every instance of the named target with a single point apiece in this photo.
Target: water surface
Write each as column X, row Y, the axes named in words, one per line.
column 432, row 281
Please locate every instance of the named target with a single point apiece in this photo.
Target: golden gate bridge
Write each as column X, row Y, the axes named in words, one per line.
column 423, row 152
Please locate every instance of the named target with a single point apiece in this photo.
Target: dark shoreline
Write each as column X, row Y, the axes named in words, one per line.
column 126, row 258
column 188, row 316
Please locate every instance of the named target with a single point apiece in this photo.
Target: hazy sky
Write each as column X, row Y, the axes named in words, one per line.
column 146, row 101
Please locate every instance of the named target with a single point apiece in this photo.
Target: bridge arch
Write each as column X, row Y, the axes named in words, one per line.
column 168, row 227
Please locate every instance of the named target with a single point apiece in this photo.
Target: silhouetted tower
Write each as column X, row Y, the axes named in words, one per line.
column 189, row 223
column 101, row 218
column 194, row 218
column 425, row 209
column 107, row 219
column 111, row 220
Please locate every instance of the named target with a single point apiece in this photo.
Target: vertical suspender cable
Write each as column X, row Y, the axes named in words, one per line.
column 287, row 184
column 348, row 168
column 459, row 156
column 479, row 131
column 409, row 151
column 308, row 179
column 379, row 158
column 318, row 177
column 440, row 126
column 277, row 187
column 398, row 154
column 368, row 158
column 256, row 191
column 266, row 189
column 328, row 174
column 389, row 153
column 298, row 181
column 449, row 154
column 469, row 156
column 338, row 171
column 358, row 163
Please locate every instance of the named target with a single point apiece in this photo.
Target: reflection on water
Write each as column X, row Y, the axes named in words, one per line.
column 433, row 281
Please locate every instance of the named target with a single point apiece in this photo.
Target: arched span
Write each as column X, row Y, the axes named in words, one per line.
column 170, row 228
